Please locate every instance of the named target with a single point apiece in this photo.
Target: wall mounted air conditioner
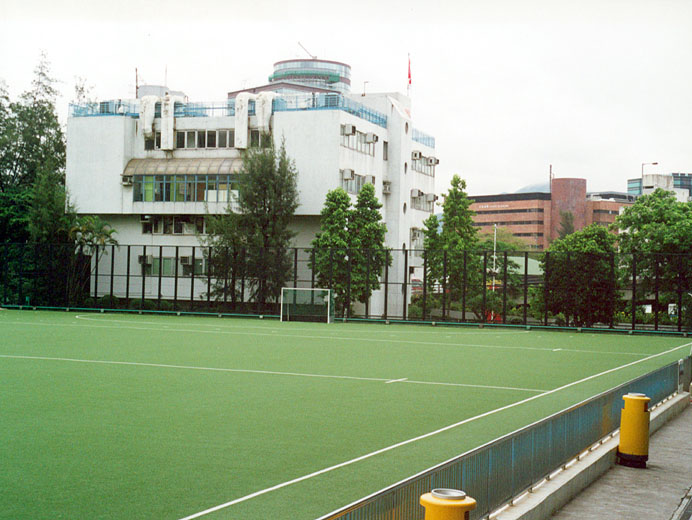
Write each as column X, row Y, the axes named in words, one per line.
column 370, row 179
column 430, row 197
column 416, row 155
column 145, row 259
column 386, row 187
column 126, row 180
column 185, row 260
column 416, row 193
column 371, row 138
column 348, row 129
column 432, row 161
column 348, row 174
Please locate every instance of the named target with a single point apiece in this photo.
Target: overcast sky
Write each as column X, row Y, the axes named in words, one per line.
column 595, row 88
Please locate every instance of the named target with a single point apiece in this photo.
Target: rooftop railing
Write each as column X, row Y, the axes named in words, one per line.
column 423, row 138
column 227, row 108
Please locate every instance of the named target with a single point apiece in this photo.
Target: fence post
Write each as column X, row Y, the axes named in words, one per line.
column 444, row 285
column 485, row 274
column 192, row 280
column 655, row 309
column 425, row 281
column 405, row 287
column 679, row 298
column 348, row 284
column 208, row 266
column 386, row 288
column 367, row 283
column 3, row 269
column 463, row 292
column 226, row 258
column 504, row 291
column 526, row 284
column 112, row 271
column 158, row 298
column 295, row 267
column 634, row 290
column 545, row 289
column 96, row 276
column 144, row 275
column 175, row 278
column 312, row 268
column 127, row 280
column 612, row 277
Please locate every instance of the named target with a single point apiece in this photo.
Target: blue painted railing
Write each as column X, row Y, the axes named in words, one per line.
column 505, row 468
column 423, row 138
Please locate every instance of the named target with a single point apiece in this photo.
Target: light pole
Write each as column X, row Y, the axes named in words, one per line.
column 646, row 164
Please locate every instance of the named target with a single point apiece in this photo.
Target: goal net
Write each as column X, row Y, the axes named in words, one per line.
column 298, row 304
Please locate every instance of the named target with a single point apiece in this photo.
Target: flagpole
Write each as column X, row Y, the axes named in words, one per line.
column 408, row 86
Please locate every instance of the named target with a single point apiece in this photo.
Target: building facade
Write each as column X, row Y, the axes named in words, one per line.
column 154, row 166
column 536, row 217
column 678, row 183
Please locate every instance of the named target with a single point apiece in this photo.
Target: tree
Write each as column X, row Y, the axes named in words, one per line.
column 331, row 246
column 368, row 255
column 448, row 247
column 566, row 224
column 656, row 233
column 267, row 199
column 580, row 278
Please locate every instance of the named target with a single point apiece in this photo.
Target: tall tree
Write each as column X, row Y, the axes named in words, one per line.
column 368, row 254
column 656, row 232
column 331, row 246
column 580, row 277
column 267, row 199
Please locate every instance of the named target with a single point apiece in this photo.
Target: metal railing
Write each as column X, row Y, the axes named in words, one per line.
column 288, row 102
column 423, row 138
column 505, row 468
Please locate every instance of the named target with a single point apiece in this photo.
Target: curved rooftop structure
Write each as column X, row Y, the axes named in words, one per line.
column 324, row 74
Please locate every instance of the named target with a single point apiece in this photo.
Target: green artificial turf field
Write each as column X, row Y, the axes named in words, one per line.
column 150, row 416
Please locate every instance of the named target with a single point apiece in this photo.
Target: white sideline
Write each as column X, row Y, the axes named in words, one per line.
column 331, row 338
column 267, row 372
column 424, row 436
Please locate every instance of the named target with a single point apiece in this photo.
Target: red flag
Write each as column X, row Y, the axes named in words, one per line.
column 409, row 69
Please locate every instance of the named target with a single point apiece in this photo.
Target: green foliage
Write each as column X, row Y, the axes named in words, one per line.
column 657, row 232
column 259, row 233
column 50, row 218
column 349, row 249
column 579, row 272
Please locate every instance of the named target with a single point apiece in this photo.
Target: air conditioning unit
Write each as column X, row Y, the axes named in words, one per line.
column 348, row 174
column 386, row 187
column 415, row 193
column 433, row 161
column 416, row 155
column 185, row 260
column 370, row 179
column 371, row 138
column 145, row 259
column 430, row 197
column 348, row 129
column 126, row 180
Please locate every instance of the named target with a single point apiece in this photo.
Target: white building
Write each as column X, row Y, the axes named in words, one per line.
column 154, row 166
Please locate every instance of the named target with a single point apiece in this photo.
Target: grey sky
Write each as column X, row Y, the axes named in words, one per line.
column 594, row 87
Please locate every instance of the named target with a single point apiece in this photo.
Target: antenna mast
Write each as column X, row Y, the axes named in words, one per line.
column 307, row 51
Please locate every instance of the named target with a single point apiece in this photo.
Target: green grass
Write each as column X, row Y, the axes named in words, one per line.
column 133, row 440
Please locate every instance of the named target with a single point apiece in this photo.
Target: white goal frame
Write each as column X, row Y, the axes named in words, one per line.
column 306, row 289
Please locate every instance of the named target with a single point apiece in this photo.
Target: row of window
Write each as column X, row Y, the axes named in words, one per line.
column 421, row 166
column 167, row 266
column 534, row 235
column 512, row 223
column 202, row 139
column 173, row 225
column 606, row 211
column 422, row 204
column 358, row 142
column 184, row 188
column 503, row 211
column 354, row 185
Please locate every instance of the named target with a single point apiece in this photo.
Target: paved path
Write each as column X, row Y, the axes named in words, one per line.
column 654, row 493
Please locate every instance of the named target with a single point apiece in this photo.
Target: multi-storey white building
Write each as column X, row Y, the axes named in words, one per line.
column 154, row 166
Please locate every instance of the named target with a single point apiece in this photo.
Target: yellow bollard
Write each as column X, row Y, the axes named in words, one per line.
column 633, row 450
column 447, row 504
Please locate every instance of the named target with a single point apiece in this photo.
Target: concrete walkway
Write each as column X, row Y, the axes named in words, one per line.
column 659, row 492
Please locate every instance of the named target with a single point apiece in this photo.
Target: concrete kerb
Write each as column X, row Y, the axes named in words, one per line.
column 684, row 512
column 550, row 495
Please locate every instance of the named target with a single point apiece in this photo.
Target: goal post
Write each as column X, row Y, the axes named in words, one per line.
column 300, row 304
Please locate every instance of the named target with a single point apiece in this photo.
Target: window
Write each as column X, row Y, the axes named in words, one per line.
column 180, row 139
column 173, row 225
column 223, row 138
column 201, row 139
column 254, row 138
column 353, row 185
column 166, row 264
column 421, row 166
column 385, row 150
column 211, row 138
column 184, row 188
column 191, row 139
column 359, row 143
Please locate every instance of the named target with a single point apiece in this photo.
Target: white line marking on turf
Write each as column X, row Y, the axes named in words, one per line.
column 332, row 338
column 420, row 437
column 556, row 349
column 396, row 380
column 264, row 372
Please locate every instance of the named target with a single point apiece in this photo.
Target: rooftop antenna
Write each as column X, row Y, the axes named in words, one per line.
column 307, row 51
column 551, row 178
column 136, row 84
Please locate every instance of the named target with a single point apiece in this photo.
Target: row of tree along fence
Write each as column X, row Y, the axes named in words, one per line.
column 635, row 291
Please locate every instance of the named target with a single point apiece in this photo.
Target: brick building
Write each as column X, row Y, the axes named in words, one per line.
column 535, row 217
